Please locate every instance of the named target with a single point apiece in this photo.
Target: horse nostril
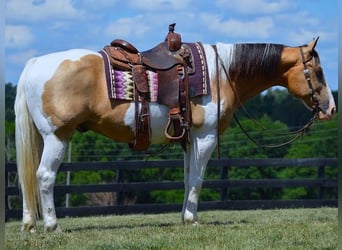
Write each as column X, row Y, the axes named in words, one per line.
column 333, row 110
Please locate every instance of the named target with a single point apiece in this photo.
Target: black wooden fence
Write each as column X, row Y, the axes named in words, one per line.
column 321, row 183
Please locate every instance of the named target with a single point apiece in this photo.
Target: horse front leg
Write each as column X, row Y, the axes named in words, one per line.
column 200, row 151
column 52, row 157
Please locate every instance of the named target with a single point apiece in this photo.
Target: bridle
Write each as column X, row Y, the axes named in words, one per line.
column 315, row 105
column 296, row 134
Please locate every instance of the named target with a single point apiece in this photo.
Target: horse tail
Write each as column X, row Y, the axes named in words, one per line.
column 29, row 145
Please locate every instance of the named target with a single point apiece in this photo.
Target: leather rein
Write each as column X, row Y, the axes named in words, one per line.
column 296, row 134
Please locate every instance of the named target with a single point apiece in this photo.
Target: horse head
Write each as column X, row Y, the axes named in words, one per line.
column 305, row 80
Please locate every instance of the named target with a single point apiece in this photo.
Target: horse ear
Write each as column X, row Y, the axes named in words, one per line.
column 313, row 44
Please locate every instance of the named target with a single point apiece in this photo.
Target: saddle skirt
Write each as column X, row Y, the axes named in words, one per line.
column 120, row 83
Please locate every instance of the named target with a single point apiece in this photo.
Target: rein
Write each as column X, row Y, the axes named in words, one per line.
column 218, row 102
column 298, row 133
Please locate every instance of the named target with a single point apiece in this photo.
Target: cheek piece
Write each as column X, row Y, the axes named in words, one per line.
column 315, row 103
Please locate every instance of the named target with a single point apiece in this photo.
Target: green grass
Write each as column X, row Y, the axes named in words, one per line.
column 257, row 229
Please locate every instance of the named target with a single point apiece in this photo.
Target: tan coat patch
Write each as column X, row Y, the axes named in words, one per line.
column 76, row 97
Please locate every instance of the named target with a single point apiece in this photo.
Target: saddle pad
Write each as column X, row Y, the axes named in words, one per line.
column 199, row 82
column 121, row 86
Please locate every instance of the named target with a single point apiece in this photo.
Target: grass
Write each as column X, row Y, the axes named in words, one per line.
column 257, row 229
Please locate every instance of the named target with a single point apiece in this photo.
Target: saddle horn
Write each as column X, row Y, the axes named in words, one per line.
column 173, row 39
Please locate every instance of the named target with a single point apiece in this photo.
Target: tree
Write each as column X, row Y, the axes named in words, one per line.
column 9, row 121
column 319, row 142
column 279, row 105
column 10, row 92
column 236, row 144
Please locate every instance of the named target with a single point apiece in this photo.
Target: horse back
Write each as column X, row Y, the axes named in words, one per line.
column 69, row 89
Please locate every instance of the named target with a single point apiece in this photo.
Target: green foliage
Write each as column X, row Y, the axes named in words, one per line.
column 92, row 147
column 10, row 141
column 10, row 92
column 264, row 131
column 279, row 105
column 168, row 196
column 320, row 141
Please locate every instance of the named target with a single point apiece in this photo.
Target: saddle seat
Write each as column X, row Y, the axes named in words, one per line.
column 124, row 55
column 172, row 61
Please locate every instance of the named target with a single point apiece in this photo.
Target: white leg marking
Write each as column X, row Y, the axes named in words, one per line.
column 29, row 223
column 202, row 148
column 53, row 154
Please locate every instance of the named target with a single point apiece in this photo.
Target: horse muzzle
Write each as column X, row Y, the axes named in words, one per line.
column 328, row 114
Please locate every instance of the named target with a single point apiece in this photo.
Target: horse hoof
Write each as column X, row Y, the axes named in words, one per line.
column 52, row 229
column 195, row 224
column 189, row 219
column 28, row 228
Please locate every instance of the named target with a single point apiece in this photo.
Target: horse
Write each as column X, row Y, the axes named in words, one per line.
column 61, row 92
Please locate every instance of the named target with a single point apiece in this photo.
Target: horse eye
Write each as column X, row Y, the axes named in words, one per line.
column 319, row 89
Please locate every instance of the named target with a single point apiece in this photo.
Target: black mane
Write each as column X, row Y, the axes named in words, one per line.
column 255, row 59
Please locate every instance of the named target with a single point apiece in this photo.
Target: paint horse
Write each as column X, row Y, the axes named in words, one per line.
column 60, row 92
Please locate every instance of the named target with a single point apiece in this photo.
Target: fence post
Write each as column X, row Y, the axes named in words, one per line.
column 7, row 206
column 119, row 179
column 67, row 196
column 321, row 176
column 224, row 176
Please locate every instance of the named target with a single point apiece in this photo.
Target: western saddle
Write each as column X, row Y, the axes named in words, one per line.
column 173, row 61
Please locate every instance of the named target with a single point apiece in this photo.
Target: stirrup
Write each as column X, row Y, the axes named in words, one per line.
column 170, row 137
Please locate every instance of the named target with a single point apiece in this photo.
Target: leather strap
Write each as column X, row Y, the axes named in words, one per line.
column 180, row 114
column 142, row 119
column 218, row 102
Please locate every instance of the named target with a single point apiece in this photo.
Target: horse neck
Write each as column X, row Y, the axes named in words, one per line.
column 253, row 68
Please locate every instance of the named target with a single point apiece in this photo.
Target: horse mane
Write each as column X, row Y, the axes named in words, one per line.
column 250, row 60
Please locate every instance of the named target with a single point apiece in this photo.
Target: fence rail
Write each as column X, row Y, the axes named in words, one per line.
column 224, row 183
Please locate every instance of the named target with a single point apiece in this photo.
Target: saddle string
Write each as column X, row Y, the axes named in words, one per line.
column 158, row 152
column 298, row 133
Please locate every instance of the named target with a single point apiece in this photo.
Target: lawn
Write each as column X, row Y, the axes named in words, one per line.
column 254, row 229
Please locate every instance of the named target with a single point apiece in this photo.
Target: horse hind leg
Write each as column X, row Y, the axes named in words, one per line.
column 29, row 218
column 53, row 154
